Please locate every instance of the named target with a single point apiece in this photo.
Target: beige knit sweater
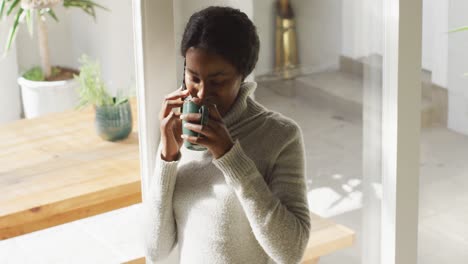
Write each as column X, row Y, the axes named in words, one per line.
column 248, row 206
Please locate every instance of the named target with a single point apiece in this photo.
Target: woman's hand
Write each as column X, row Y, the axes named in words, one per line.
column 215, row 137
column 171, row 125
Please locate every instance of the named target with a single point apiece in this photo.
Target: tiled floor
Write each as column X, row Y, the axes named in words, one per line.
column 333, row 138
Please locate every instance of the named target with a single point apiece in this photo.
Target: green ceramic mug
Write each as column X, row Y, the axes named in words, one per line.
column 191, row 107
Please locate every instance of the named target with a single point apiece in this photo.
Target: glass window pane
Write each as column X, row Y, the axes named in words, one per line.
column 334, row 93
column 443, row 213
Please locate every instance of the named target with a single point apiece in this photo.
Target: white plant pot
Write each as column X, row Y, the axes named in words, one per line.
column 41, row 98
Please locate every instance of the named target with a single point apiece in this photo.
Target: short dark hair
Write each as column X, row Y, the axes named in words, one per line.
column 227, row 32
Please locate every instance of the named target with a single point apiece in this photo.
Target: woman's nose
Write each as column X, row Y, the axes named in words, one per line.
column 201, row 90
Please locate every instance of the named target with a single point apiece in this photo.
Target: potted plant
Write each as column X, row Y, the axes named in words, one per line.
column 47, row 88
column 113, row 120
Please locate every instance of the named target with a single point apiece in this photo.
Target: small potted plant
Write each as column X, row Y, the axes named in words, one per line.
column 113, row 120
column 40, row 86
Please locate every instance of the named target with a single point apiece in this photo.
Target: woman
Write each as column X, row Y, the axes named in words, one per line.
column 243, row 200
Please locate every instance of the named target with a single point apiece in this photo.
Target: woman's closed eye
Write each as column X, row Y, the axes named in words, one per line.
column 195, row 79
column 216, row 83
column 213, row 82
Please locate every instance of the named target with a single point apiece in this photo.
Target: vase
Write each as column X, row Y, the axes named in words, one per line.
column 114, row 122
column 41, row 97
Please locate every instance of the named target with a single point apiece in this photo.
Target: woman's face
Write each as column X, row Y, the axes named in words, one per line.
column 211, row 78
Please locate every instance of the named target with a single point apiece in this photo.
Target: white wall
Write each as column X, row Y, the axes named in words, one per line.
column 59, row 43
column 264, row 21
column 10, row 104
column 319, row 33
column 362, row 22
column 435, row 40
column 318, row 29
column 109, row 39
column 457, row 65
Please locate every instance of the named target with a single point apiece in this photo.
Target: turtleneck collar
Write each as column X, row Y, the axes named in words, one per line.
column 240, row 104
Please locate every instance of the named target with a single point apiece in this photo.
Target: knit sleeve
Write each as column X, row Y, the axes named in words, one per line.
column 160, row 232
column 278, row 213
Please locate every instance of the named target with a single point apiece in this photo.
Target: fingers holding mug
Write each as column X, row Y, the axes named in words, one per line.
column 204, row 130
column 196, row 140
column 193, row 116
column 213, row 112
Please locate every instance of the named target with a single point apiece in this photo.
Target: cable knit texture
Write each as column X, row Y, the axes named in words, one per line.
column 248, row 206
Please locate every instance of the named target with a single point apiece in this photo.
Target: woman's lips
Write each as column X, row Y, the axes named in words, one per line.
column 206, row 101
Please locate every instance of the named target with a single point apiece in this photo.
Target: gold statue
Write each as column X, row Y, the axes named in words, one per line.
column 286, row 59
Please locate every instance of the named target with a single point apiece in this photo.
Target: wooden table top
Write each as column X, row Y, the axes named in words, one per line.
column 55, row 169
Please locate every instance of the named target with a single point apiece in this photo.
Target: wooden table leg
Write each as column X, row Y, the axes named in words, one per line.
column 311, row 261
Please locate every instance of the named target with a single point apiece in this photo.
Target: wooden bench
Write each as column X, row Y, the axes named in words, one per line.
column 325, row 237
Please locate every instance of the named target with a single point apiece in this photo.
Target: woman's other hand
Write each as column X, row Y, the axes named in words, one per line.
column 171, row 125
column 215, row 135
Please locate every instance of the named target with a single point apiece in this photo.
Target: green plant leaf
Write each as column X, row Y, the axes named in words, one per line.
column 12, row 6
column 14, row 29
column 34, row 74
column 121, row 101
column 29, row 21
column 83, row 3
column 2, row 8
column 459, row 29
column 86, row 5
column 55, row 71
column 98, row 5
column 92, row 89
column 52, row 14
column 121, row 97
